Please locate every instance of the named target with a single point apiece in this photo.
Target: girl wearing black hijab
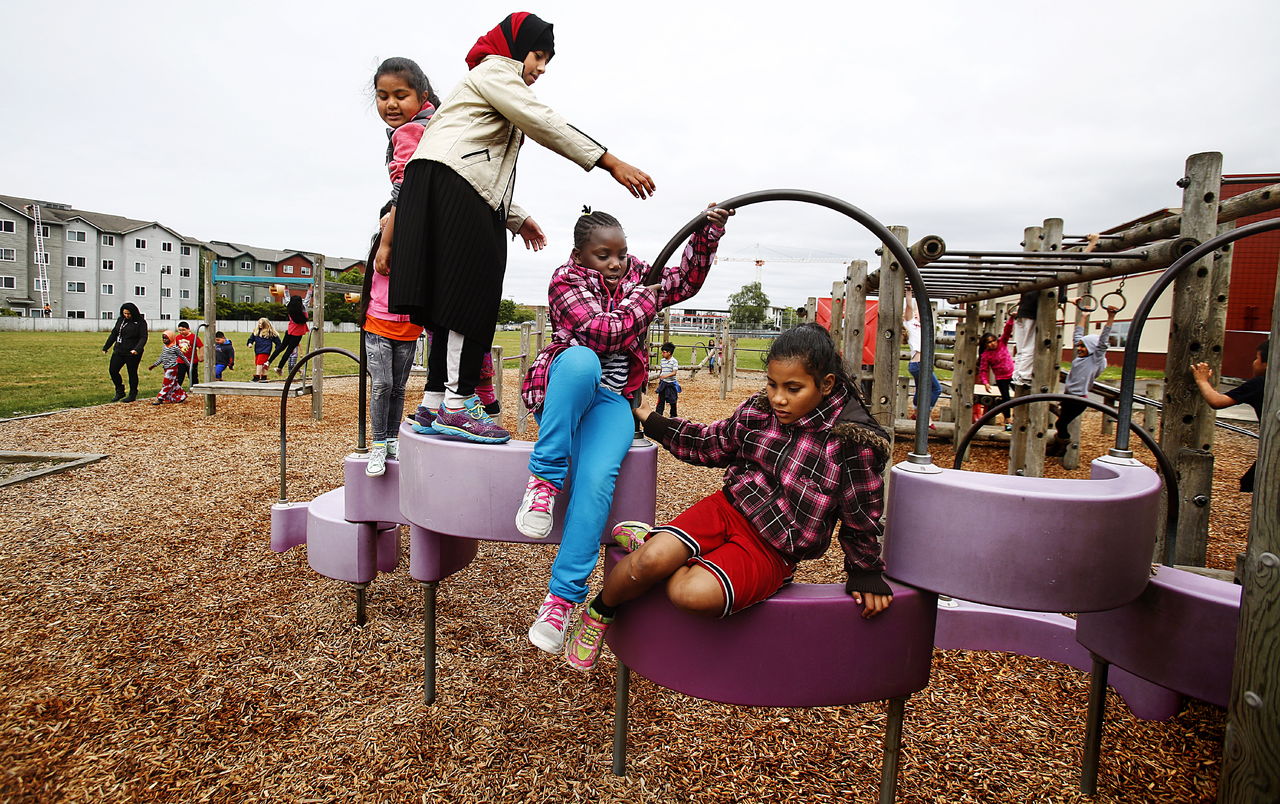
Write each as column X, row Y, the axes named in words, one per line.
column 126, row 340
column 449, row 253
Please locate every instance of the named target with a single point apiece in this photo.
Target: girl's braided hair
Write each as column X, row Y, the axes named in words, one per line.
column 588, row 222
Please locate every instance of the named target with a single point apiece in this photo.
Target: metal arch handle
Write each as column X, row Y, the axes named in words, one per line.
column 1129, row 375
column 1167, row 471
column 896, row 247
column 284, row 405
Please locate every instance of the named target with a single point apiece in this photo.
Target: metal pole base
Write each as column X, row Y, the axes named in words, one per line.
column 361, row 598
column 429, row 641
column 892, row 750
column 621, row 702
column 1093, row 727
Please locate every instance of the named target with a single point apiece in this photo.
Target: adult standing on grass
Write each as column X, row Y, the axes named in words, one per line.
column 129, row 336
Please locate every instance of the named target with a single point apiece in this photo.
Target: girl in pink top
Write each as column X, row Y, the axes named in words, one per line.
column 994, row 359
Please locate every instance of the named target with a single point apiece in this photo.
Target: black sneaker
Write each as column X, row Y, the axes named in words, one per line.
column 119, row 395
column 133, row 397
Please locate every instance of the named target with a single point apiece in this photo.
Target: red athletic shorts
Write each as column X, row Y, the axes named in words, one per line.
column 261, row 360
column 726, row 545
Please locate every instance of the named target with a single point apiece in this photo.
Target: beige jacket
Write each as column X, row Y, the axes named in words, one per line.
column 479, row 129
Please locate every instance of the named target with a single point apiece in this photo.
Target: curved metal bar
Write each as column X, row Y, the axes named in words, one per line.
column 896, row 247
column 1166, row 467
column 284, row 405
column 1129, row 374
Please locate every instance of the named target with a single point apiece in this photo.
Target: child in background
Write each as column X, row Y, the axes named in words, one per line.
column 224, row 355
column 579, row 388
column 264, row 339
column 189, row 347
column 668, row 387
column 1248, row 393
column 297, row 327
column 1090, row 360
column 802, row 456
column 994, row 360
column 450, row 250
column 911, row 323
column 170, row 357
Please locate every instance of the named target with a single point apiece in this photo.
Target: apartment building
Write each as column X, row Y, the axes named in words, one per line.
column 96, row 262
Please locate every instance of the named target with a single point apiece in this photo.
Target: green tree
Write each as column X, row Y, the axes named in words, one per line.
column 747, row 307
column 511, row 313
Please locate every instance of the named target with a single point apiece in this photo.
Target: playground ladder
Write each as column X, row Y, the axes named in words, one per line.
column 42, row 261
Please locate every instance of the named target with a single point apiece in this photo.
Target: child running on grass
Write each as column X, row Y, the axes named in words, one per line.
column 264, row 339
column 224, row 355
column 802, row 456
column 579, row 388
column 449, row 254
column 170, row 357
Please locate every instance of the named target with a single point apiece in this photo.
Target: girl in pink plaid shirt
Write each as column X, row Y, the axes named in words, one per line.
column 579, row 387
column 802, row 456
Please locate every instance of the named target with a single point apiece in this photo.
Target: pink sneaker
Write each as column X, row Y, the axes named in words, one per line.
column 586, row 639
column 533, row 518
column 547, row 631
column 630, row 535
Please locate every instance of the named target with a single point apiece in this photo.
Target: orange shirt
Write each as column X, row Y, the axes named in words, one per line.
column 395, row 330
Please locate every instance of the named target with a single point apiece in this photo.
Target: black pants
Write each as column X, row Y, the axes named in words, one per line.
column 667, row 394
column 121, row 358
column 1067, row 413
column 455, row 361
column 286, row 348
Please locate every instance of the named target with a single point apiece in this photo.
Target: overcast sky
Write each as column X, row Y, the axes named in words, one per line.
column 253, row 121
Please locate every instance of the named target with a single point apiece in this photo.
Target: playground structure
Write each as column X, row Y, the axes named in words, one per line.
column 1102, row 572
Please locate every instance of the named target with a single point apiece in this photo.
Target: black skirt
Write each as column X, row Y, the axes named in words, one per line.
column 449, row 254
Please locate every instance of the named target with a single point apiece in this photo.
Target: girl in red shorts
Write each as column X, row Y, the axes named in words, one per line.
column 802, row 456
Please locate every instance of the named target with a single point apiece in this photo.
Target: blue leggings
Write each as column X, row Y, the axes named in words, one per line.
column 935, row 387
column 584, row 432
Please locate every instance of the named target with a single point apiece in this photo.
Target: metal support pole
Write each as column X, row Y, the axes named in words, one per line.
column 621, row 702
column 1093, row 726
column 892, row 750
column 429, row 641
column 361, row 589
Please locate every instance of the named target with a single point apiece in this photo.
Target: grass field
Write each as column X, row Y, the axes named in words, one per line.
column 43, row 371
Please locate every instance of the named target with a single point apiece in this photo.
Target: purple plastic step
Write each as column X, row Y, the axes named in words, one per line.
column 1180, row 633
column 808, row 645
column 371, row 499
column 288, row 525
column 348, row 551
column 1030, row 543
column 963, row 625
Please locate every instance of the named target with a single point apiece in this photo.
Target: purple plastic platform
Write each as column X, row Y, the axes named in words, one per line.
column 456, row 488
column 1030, row 543
column 288, row 525
column 1181, row 633
column 348, row 551
column 808, row 645
column 371, row 499
column 972, row 626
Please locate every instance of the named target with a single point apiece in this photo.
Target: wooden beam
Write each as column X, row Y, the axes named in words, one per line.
column 884, row 382
column 964, row 374
column 1254, row 202
column 855, row 318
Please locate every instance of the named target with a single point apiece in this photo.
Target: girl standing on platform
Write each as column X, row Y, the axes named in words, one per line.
column 579, row 388
column 450, row 251
column 994, row 359
column 264, row 339
column 803, row 455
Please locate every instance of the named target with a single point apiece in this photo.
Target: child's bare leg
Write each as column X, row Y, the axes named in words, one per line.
column 661, row 556
column 695, row 590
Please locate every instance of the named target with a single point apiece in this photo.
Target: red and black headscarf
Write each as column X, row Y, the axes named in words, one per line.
column 515, row 37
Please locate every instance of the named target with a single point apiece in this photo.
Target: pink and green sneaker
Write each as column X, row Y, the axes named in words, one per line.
column 586, row 639
column 630, row 535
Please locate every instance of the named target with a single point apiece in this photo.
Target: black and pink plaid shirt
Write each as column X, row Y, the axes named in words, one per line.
column 793, row 482
column 584, row 313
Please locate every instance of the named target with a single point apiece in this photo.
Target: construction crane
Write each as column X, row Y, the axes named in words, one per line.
column 759, row 255
column 41, row 262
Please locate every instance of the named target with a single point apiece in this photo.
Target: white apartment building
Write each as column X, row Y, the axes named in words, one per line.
column 96, row 263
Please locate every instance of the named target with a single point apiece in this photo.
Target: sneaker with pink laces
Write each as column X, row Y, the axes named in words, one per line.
column 533, row 519
column 547, row 631
column 585, row 641
column 630, row 535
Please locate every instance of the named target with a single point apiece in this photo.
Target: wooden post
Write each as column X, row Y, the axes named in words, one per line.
column 1250, row 769
column 1151, row 414
column 964, row 372
column 855, row 318
column 811, row 310
column 884, row 384
column 666, row 325
column 837, row 315
column 1186, row 431
column 724, row 359
column 540, row 336
column 317, row 340
column 522, row 422
column 901, row 396
column 210, row 318
column 1027, row 438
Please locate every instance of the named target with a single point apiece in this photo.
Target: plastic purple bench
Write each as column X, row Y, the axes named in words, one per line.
column 1180, row 633
column 444, row 528
column 808, row 645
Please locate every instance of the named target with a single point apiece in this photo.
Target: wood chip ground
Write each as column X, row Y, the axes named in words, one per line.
column 155, row 649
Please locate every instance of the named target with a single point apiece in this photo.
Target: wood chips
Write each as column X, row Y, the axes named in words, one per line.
column 155, row 649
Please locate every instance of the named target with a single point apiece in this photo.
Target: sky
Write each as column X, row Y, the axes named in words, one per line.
column 253, row 121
